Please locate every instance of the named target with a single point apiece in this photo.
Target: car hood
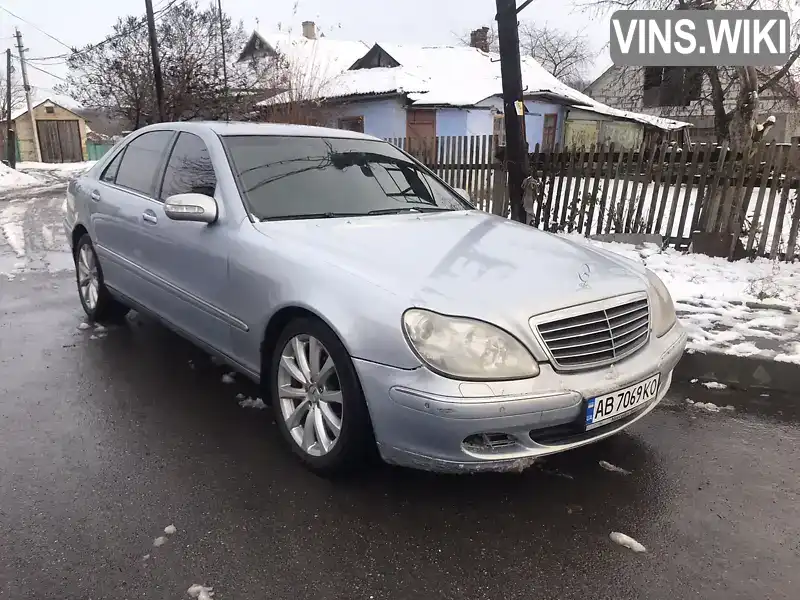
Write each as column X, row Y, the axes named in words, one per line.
column 466, row 262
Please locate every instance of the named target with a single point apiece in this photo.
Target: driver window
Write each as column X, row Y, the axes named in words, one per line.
column 189, row 169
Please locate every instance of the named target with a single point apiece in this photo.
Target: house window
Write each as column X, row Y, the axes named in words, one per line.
column 671, row 86
column 352, row 124
column 499, row 129
column 652, row 86
column 50, row 110
column 549, row 131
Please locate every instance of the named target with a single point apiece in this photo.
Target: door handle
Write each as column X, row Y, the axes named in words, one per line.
column 149, row 217
column 95, row 195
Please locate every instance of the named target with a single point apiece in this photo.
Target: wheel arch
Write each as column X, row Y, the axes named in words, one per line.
column 280, row 319
column 77, row 233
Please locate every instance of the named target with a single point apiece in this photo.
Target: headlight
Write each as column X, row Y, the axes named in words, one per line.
column 466, row 349
column 663, row 310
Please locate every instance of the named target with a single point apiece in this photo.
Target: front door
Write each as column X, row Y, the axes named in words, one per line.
column 421, row 134
column 191, row 259
column 549, row 132
column 118, row 202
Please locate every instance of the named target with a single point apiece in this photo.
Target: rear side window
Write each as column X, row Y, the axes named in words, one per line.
column 141, row 161
column 189, row 169
column 110, row 174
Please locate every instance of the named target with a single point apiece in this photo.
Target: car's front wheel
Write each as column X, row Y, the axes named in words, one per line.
column 98, row 303
column 317, row 398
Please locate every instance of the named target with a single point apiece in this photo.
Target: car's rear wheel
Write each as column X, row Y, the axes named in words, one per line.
column 317, row 398
column 98, row 303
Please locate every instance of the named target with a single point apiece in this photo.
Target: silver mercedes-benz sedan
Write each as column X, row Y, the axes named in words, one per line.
column 377, row 308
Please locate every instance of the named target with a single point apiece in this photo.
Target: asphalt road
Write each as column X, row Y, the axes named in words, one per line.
column 104, row 441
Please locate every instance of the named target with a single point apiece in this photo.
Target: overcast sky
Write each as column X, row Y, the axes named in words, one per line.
column 80, row 22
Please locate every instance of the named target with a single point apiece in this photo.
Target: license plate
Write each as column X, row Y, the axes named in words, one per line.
column 609, row 407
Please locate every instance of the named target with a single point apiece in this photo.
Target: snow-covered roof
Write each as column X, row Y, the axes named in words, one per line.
column 326, row 57
column 42, row 95
column 435, row 76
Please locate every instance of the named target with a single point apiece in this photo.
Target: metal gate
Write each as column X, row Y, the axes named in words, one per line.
column 60, row 141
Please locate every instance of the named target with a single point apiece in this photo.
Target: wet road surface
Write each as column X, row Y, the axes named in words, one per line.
column 106, row 441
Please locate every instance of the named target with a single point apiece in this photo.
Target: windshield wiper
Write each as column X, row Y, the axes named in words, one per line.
column 407, row 209
column 323, row 215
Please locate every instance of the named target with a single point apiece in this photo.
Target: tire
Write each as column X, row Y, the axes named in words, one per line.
column 98, row 303
column 354, row 445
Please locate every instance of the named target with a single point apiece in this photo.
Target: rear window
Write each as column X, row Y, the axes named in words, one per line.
column 296, row 177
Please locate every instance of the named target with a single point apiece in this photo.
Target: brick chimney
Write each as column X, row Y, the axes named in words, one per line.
column 310, row 30
column 480, row 39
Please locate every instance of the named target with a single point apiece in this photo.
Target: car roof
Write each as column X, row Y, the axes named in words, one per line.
column 272, row 129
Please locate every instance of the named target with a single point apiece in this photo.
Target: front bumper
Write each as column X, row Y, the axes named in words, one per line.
column 426, row 421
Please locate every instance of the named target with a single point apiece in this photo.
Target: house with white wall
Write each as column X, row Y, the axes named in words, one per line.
column 406, row 91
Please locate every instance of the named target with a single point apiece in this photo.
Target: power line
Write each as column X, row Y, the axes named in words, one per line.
column 43, row 70
column 112, row 38
column 52, row 37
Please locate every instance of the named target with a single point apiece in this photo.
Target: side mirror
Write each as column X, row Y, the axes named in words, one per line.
column 463, row 193
column 191, row 207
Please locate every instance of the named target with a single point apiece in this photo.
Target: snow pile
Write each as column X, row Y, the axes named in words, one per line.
column 714, row 385
column 626, row 541
column 200, row 592
column 613, row 468
column 12, row 179
column 709, row 406
column 11, row 228
column 250, row 403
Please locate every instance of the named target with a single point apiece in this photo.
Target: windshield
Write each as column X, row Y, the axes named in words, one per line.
column 313, row 177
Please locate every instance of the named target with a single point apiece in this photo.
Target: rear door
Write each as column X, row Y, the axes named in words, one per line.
column 190, row 260
column 122, row 214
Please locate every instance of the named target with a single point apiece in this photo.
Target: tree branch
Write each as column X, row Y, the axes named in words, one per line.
column 780, row 73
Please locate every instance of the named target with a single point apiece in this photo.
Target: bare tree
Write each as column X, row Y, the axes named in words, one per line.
column 17, row 93
column 566, row 55
column 739, row 123
column 117, row 75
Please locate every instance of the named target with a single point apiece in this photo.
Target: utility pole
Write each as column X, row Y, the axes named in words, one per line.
column 224, row 61
column 28, row 100
column 11, row 154
column 151, row 28
column 511, row 69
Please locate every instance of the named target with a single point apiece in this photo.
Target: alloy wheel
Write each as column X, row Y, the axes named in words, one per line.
column 88, row 280
column 310, row 395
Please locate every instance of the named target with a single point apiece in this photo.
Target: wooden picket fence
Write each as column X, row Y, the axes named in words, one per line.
column 749, row 194
column 465, row 162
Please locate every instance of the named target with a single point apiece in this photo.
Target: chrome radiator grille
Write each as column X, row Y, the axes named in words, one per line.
column 599, row 337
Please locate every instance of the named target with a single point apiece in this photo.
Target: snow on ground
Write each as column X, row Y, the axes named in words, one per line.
column 626, row 541
column 200, row 592
column 251, row 403
column 613, row 468
column 76, row 167
column 661, row 201
column 11, row 179
column 11, row 228
column 740, row 308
